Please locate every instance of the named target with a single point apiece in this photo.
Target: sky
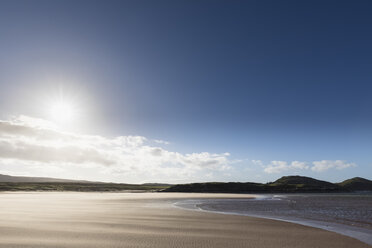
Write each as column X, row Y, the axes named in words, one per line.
column 186, row 91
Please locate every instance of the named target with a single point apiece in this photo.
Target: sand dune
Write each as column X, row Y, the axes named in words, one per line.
column 143, row 220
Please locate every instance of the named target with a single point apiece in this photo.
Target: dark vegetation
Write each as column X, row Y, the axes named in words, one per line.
column 357, row 184
column 14, row 179
column 289, row 184
column 11, row 183
column 83, row 187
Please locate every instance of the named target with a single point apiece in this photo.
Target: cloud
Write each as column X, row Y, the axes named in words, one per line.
column 324, row 165
column 163, row 142
column 257, row 162
column 280, row 166
column 299, row 165
column 317, row 166
column 27, row 140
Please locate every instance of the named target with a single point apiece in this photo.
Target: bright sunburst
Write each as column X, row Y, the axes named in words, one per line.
column 63, row 112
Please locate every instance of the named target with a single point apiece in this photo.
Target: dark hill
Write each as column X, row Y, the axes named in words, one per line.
column 218, row 187
column 357, row 184
column 304, row 184
column 288, row 184
column 11, row 183
column 15, row 179
column 302, row 180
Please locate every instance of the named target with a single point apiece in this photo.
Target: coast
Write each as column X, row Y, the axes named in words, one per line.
column 62, row 219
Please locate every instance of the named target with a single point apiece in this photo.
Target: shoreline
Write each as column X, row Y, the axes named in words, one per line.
column 349, row 231
column 108, row 220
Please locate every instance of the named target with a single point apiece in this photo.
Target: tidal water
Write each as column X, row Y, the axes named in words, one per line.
column 348, row 214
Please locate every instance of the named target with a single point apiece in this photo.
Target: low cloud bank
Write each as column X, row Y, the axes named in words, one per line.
column 37, row 142
column 316, row 166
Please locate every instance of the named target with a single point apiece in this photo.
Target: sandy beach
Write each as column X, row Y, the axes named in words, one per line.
column 143, row 220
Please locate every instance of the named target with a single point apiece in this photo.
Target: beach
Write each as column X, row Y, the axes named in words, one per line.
column 62, row 219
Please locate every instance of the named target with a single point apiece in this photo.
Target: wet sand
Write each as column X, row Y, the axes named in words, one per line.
column 143, row 220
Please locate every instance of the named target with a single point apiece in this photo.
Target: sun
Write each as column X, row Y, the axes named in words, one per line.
column 62, row 112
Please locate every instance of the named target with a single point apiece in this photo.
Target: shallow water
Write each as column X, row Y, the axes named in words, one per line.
column 348, row 214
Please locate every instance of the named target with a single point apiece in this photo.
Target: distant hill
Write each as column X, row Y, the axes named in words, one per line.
column 157, row 184
column 357, row 184
column 23, row 179
column 302, row 180
column 218, row 187
column 288, row 184
column 16, row 179
column 11, row 183
column 303, row 184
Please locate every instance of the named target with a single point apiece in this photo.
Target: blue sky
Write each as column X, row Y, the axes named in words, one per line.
column 276, row 81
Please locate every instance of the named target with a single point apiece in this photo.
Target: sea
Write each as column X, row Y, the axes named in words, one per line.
column 347, row 214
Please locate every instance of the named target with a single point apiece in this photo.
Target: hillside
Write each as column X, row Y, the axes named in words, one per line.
column 303, row 184
column 81, row 187
column 357, row 184
column 302, row 180
column 218, row 187
column 18, row 179
column 288, row 184
column 12, row 183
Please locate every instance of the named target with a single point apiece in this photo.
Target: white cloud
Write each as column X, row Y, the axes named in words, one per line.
column 299, row 165
column 257, row 162
column 276, row 167
column 280, row 166
column 163, row 142
column 324, row 165
column 318, row 166
column 27, row 140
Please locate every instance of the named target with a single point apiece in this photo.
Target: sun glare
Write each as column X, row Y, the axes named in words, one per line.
column 62, row 112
